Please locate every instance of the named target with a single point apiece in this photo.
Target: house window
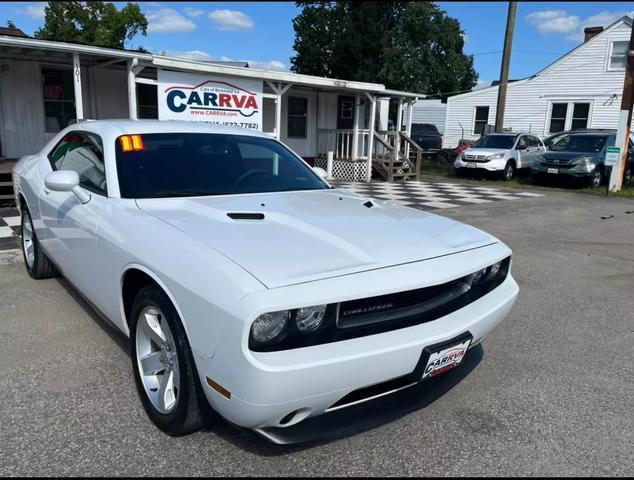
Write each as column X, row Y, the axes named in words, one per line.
column 297, row 114
column 618, row 56
column 481, row 120
column 59, row 99
column 580, row 114
column 147, row 100
column 558, row 117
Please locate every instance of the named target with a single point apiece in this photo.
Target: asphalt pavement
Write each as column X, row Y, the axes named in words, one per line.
column 552, row 394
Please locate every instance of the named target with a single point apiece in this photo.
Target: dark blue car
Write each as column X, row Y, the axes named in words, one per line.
column 580, row 155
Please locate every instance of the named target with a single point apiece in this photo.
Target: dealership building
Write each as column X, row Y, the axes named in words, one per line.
column 47, row 85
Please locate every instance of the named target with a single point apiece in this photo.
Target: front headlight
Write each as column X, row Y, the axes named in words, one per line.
column 460, row 156
column 496, row 156
column 488, row 275
column 583, row 161
column 274, row 327
column 309, row 319
column 270, row 327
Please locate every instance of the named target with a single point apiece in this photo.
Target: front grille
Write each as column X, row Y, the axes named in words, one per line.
column 384, row 308
column 476, row 158
column 557, row 163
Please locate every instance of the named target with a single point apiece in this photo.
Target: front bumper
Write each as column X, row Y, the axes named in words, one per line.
column 266, row 387
column 496, row 165
column 578, row 171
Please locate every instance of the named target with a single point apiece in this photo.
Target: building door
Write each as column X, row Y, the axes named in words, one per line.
column 345, row 113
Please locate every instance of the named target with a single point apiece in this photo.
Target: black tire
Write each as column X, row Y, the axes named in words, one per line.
column 186, row 416
column 42, row 267
column 597, row 177
column 509, row 171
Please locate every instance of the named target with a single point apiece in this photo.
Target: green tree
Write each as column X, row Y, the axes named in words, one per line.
column 10, row 24
column 410, row 46
column 92, row 23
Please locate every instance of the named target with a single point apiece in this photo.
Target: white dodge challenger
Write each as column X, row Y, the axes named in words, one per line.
column 244, row 280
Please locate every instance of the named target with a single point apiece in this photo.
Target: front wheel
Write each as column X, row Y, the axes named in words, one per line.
column 597, row 178
column 164, row 369
column 509, row 171
column 37, row 264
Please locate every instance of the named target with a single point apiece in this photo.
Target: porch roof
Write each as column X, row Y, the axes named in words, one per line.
column 273, row 76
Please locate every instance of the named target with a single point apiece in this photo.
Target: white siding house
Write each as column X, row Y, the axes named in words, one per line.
column 430, row 111
column 580, row 90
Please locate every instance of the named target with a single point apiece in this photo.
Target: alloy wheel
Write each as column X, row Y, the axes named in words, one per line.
column 27, row 240
column 157, row 360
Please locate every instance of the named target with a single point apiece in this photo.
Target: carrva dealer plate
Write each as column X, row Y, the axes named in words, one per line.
column 445, row 359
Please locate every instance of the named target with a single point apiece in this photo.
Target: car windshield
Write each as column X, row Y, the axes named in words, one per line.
column 579, row 143
column 495, row 141
column 190, row 164
column 423, row 128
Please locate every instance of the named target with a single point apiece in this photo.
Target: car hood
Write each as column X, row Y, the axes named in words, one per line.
column 550, row 155
column 295, row 237
column 485, row 151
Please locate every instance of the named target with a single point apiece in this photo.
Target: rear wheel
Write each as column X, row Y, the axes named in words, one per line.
column 164, row 369
column 36, row 262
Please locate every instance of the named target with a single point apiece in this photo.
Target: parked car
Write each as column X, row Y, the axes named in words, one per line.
column 501, row 153
column 245, row 281
column 427, row 137
column 580, row 155
column 555, row 137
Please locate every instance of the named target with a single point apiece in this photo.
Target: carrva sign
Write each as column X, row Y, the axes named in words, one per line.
column 612, row 156
column 202, row 98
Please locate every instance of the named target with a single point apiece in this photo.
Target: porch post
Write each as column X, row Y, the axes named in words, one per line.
column 355, row 128
column 132, row 88
column 278, row 117
column 279, row 91
column 399, row 115
column 79, row 101
column 368, row 173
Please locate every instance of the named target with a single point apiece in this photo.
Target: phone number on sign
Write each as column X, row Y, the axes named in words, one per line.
column 253, row 126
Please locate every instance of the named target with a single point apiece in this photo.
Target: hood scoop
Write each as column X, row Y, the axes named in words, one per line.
column 245, row 215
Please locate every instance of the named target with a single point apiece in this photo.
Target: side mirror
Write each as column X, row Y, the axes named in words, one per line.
column 321, row 172
column 66, row 181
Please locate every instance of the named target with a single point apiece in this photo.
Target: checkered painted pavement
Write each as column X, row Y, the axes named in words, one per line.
column 422, row 195
column 432, row 195
column 9, row 228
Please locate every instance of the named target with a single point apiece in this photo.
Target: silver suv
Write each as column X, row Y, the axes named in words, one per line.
column 501, row 153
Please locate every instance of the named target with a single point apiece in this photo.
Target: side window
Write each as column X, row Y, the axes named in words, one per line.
column 522, row 143
column 534, row 141
column 83, row 153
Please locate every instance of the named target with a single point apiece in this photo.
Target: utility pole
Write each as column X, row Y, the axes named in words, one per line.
column 504, row 72
column 625, row 119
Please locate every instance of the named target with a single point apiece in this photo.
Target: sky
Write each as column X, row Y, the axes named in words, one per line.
column 262, row 32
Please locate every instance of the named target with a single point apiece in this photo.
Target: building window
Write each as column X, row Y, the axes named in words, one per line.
column 297, row 115
column 59, row 99
column 618, row 56
column 580, row 114
column 147, row 100
column 481, row 120
column 558, row 117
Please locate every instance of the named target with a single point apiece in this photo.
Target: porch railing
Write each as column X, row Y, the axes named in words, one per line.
column 341, row 142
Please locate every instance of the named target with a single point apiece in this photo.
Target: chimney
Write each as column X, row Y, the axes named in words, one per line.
column 590, row 32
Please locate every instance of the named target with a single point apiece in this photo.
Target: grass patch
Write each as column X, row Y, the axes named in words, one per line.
column 524, row 181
